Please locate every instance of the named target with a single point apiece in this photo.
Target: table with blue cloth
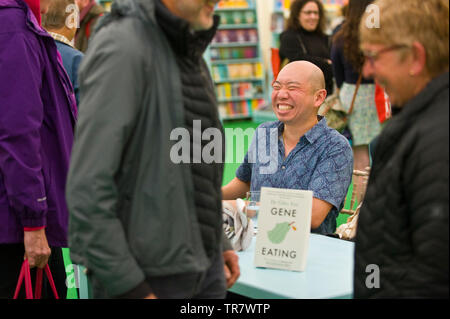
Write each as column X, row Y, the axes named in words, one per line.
column 328, row 274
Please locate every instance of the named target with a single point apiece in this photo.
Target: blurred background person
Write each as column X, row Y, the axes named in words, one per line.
column 90, row 12
column 337, row 24
column 305, row 38
column 61, row 22
column 403, row 225
column 38, row 112
column 347, row 67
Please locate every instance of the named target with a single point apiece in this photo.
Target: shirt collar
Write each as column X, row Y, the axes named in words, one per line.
column 314, row 133
column 60, row 38
column 317, row 130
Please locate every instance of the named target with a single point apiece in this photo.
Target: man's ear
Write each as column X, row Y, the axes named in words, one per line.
column 319, row 97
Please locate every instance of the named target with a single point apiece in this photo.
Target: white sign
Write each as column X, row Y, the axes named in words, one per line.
column 284, row 226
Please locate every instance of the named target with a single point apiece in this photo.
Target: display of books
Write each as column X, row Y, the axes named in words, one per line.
column 236, row 61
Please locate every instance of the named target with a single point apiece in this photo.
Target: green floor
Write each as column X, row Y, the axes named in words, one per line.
column 229, row 173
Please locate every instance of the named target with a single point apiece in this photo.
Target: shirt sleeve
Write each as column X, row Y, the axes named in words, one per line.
column 333, row 175
column 21, row 119
column 244, row 171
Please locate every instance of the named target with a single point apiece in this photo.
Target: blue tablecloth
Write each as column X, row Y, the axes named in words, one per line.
column 328, row 274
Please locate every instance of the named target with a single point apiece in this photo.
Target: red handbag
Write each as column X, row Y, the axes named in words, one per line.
column 275, row 61
column 26, row 276
column 382, row 103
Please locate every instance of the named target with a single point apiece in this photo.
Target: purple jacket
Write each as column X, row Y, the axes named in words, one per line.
column 37, row 117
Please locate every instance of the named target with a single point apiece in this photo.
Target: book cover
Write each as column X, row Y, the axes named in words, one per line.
column 284, row 226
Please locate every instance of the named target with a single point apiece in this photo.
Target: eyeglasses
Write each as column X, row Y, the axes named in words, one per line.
column 373, row 56
column 308, row 13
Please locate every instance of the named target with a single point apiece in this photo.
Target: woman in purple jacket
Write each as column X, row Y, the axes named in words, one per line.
column 37, row 117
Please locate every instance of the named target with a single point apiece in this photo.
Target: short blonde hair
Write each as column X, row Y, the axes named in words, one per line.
column 404, row 22
column 56, row 16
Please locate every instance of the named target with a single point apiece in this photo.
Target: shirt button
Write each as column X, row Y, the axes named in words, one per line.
column 283, row 167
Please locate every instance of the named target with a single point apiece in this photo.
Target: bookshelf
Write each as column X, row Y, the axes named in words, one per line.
column 278, row 18
column 235, row 60
column 280, row 13
column 106, row 4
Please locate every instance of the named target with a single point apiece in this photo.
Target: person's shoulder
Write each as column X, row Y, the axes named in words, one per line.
column 337, row 137
column 12, row 19
column 64, row 48
column 119, row 35
column 15, row 32
column 75, row 54
column 288, row 34
column 337, row 141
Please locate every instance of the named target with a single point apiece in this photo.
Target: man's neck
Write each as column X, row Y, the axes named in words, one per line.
column 293, row 132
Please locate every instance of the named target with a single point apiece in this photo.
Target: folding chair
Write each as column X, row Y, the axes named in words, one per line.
column 348, row 230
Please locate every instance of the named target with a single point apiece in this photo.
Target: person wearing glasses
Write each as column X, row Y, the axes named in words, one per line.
column 347, row 60
column 402, row 242
column 142, row 224
column 304, row 38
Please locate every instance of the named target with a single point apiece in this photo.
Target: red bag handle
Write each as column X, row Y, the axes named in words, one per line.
column 25, row 274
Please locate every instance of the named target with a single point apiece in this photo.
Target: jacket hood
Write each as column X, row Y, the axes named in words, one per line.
column 144, row 9
column 32, row 9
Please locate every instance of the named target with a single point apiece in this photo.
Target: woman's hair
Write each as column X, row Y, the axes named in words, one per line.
column 57, row 14
column 293, row 22
column 348, row 35
column 406, row 22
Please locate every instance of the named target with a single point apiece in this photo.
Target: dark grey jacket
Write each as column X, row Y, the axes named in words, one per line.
column 132, row 213
column 403, row 225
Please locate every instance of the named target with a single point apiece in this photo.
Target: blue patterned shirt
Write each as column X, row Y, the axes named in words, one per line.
column 322, row 161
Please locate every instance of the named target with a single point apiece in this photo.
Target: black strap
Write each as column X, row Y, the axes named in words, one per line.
column 302, row 44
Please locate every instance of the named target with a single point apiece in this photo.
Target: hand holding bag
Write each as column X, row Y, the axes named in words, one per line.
column 26, row 276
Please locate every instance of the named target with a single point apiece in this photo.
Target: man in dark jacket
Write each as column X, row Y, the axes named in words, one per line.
column 401, row 245
column 143, row 225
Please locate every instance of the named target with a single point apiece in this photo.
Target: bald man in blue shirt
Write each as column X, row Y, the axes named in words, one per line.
column 304, row 152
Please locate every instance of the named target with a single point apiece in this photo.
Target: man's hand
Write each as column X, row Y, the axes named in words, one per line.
column 231, row 267
column 37, row 250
